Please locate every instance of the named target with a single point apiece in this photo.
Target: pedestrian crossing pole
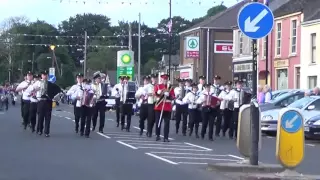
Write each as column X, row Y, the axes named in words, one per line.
column 254, row 109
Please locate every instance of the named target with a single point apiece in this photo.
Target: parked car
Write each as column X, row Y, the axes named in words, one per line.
column 282, row 100
column 310, row 107
column 312, row 127
column 277, row 93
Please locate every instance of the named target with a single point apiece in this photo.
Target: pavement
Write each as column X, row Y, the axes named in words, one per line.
column 115, row 155
column 67, row 155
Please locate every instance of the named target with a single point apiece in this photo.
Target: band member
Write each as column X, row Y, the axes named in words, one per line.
column 73, row 91
column 188, row 85
column 46, row 91
column 154, row 79
column 209, row 102
column 142, row 96
column 86, row 102
column 116, row 94
column 236, row 98
column 216, row 89
column 126, row 104
column 33, row 103
column 202, row 82
column 25, row 107
column 20, row 90
column 227, row 113
column 191, row 99
column 101, row 94
column 181, row 107
column 163, row 106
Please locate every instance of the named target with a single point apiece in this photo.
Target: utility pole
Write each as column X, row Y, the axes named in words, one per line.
column 139, row 50
column 254, row 108
column 10, row 60
column 130, row 37
column 267, row 52
column 32, row 61
column 170, row 38
column 61, row 66
column 22, row 68
column 85, row 55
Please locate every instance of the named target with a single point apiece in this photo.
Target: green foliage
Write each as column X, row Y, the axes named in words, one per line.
column 154, row 43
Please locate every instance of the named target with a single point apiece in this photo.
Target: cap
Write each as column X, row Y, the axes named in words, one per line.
column 188, row 80
column 165, row 76
column 216, row 77
column 36, row 76
column 202, row 77
column 120, row 77
column 180, row 80
column 103, row 75
column 229, row 83
column 239, row 82
column 89, row 81
column 29, row 73
column 45, row 72
column 79, row 75
column 147, row 78
column 126, row 77
column 207, row 85
column 153, row 75
column 194, row 85
column 95, row 76
column 85, row 80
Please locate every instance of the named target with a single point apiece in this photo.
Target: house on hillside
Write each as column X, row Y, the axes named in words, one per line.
column 206, row 48
column 310, row 55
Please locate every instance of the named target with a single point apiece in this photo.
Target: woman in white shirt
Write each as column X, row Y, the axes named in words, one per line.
column 267, row 94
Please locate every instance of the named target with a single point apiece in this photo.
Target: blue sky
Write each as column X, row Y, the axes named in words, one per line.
column 54, row 11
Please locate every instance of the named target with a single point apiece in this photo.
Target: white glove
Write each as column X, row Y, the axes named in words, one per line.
column 166, row 94
column 159, row 91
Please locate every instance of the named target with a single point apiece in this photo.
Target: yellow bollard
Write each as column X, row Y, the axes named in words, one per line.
column 53, row 104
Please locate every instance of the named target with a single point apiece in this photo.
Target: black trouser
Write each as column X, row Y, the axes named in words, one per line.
column 126, row 110
column 181, row 110
column 218, row 120
column 208, row 116
column 44, row 115
column 117, row 107
column 77, row 116
column 21, row 107
column 25, row 111
column 227, row 122
column 151, row 119
column 166, row 118
column 234, row 123
column 33, row 115
column 194, row 120
column 99, row 108
column 85, row 123
column 143, row 116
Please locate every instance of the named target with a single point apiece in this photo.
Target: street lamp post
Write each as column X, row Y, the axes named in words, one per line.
column 170, row 38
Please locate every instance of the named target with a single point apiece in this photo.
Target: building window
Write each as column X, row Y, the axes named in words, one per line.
column 298, row 77
column 312, row 81
column 313, row 47
column 282, row 79
column 264, row 47
column 240, row 42
column 293, row 36
column 278, row 40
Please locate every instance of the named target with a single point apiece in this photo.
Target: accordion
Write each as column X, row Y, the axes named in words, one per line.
column 87, row 99
column 214, row 101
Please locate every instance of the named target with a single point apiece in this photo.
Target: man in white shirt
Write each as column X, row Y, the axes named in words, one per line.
column 216, row 89
column 25, row 97
column 202, row 81
column 116, row 93
column 33, row 103
column 21, row 104
column 73, row 91
column 142, row 96
column 181, row 107
column 227, row 113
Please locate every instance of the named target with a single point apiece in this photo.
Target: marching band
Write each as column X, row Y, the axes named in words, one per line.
column 193, row 103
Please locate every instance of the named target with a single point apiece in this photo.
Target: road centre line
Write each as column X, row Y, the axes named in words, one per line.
column 160, row 158
column 123, row 138
column 201, row 147
column 174, row 153
column 166, row 145
column 125, row 135
column 152, row 141
column 125, row 144
column 178, row 149
column 174, row 157
column 156, row 143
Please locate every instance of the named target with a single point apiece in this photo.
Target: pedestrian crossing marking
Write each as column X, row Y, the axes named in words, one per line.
column 160, row 158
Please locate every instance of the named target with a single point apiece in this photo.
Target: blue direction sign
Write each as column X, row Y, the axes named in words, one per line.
column 291, row 121
column 255, row 20
column 52, row 78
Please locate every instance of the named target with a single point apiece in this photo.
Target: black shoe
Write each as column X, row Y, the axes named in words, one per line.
column 217, row 135
column 177, row 131
column 197, row 136
column 93, row 128
column 117, row 124
column 128, row 130
column 81, row 133
column 141, row 132
column 210, row 139
column 40, row 133
column 101, row 131
column 184, row 134
column 122, row 128
column 77, row 131
column 166, row 140
column 158, row 138
column 47, row 135
column 86, row 136
column 33, row 130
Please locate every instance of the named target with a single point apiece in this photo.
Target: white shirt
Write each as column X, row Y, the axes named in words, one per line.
column 191, row 99
column 200, row 88
column 114, row 91
column 237, row 96
column 267, row 97
column 96, row 88
column 177, row 92
column 203, row 96
column 29, row 90
column 214, row 87
column 150, row 88
column 141, row 95
column 22, row 85
column 37, row 86
column 224, row 103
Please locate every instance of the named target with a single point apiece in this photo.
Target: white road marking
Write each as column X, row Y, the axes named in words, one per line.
column 177, row 149
column 237, row 157
column 201, row 147
column 163, row 145
column 312, row 145
column 103, row 135
column 146, row 131
column 128, row 145
column 193, row 163
column 156, row 143
column 123, row 138
column 124, row 135
column 193, row 154
column 152, row 141
column 195, row 158
column 270, row 137
column 67, row 118
column 163, row 159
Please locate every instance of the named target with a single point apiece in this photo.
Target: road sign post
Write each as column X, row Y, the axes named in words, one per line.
column 290, row 138
column 52, row 71
column 255, row 20
column 244, row 131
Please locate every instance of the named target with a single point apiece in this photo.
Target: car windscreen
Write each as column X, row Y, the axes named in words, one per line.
column 301, row 102
column 280, row 97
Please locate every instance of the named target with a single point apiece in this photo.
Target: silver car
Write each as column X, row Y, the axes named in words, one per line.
column 310, row 107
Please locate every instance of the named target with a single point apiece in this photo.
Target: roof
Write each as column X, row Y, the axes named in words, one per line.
column 223, row 20
column 311, row 10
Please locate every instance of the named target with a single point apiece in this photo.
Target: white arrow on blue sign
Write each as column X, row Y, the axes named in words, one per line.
column 255, row 20
column 291, row 121
column 52, row 78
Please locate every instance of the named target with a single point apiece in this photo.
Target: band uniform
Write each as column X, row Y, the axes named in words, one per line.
column 87, row 102
column 226, row 111
column 181, row 107
column 163, row 107
column 216, row 89
column 127, row 100
column 116, row 94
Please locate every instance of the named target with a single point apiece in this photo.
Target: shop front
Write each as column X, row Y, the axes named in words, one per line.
column 243, row 71
column 281, row 74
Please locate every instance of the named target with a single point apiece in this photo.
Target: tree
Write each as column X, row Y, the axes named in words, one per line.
column 215, row 10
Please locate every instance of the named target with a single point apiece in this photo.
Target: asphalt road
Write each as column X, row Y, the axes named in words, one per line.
column 189, row 152
column 116, row 155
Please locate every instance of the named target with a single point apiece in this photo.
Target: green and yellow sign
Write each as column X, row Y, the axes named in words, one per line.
column 125, row 64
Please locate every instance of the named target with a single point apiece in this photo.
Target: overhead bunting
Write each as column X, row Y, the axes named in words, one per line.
column 65, row 45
